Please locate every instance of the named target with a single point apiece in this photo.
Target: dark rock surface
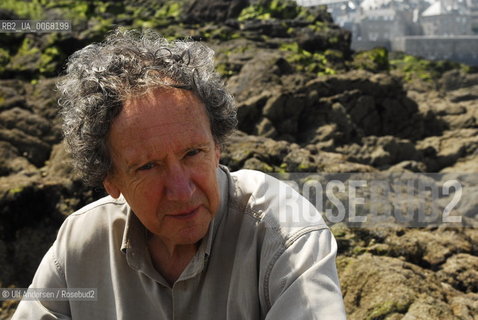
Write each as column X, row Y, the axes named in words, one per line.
column 306, row 103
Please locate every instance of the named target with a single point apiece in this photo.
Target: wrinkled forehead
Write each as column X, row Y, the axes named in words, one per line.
column 158, row 120
column 161, row 106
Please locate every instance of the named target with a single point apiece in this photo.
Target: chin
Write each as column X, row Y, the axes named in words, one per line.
column 195, row 234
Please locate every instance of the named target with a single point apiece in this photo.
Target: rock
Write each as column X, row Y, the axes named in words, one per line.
column 32, row 148
column 266, row 129
column 409, row 165
column 283, row 110
column 456, row 79
column 463, row 94
column 460, row 271
column 331, row 162
column 382, row 287
column 314, row 41
column 12, row 94
column 465, row 306
column 257, row 75
column 59, row 165
column 213, row 10
column 463, row 165
column 282, row 156
column 299, row 160
column 26, row 121
column 11, row 161
column 444, row 151
column 43, row 97
column 381, row 151
column 249, row 112
column 428, row 249
column 256, row 164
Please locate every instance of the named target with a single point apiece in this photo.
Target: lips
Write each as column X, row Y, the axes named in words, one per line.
column 183, row 215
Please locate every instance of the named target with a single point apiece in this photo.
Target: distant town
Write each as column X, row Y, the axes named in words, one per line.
column 433, row 29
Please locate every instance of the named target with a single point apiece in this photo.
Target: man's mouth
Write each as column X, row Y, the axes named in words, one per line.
column 184, row 215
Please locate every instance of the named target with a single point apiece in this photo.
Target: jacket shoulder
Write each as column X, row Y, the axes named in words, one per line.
column 274, row 203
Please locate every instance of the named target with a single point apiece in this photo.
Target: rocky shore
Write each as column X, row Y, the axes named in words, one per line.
column 306, row 103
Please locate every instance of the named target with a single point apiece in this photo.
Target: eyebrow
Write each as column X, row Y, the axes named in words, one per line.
column 131, row 167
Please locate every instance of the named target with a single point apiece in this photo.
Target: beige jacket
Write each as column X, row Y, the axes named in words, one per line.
column 267, row 255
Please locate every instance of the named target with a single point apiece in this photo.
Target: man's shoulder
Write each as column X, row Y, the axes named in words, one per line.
column 273, row 202
column 96, row 220
column 106, row 205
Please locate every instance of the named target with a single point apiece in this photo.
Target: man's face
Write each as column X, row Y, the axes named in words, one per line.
column 164, row 164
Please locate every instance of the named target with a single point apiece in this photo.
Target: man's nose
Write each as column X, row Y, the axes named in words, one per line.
column 179, row 185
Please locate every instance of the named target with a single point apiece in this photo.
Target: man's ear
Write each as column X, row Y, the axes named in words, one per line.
column 111, row 188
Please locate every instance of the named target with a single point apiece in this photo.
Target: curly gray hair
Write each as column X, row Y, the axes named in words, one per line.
column 100, row 77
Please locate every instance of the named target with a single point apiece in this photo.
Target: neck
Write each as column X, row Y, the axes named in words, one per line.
column 170, row 260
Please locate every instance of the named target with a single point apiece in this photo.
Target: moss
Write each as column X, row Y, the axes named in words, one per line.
column 77, row 11
column 306, row 167
column 380, row 249
column 49, row 60
column 115, row 8
column 15, row 191
column 167, row 14
column 342, row 263
column 358, row 250
column 27, row 47
column 256, row 164
column 305, row 15
column 170, row 10
column 224, row 70
column 334, row 40
column 218, row 33
column 310, row 62
column 318, row 26
column 99, row 27
column 411, row 67
column 26, row 56
column 25, row 9
column 4, row 59
column 380, row 311
column 282, row 168
column 270, row 9
column 340, row 230
column 374, row 60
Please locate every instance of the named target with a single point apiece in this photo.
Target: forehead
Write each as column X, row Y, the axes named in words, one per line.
column 160, row 117
column 164, row 103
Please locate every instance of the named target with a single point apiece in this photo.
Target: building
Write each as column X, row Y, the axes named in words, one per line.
column 434, row 29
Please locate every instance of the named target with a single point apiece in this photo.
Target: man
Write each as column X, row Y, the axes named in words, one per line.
column 180, row 237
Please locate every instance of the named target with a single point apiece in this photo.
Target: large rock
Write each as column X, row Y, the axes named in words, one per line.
column 252, row 152
column 213, row 10
column 444, row 151
column 461, row 271
column 389, row 288
column 381, row 151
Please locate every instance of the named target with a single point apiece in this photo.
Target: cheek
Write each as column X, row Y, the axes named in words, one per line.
column 140, row 190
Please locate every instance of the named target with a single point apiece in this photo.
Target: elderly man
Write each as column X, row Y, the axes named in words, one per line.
column 179, row 237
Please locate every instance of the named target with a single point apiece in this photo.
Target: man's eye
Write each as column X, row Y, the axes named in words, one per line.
column 147, row 166
column 192, row 152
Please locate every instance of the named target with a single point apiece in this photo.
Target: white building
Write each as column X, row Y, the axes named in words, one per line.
column 446, row 18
